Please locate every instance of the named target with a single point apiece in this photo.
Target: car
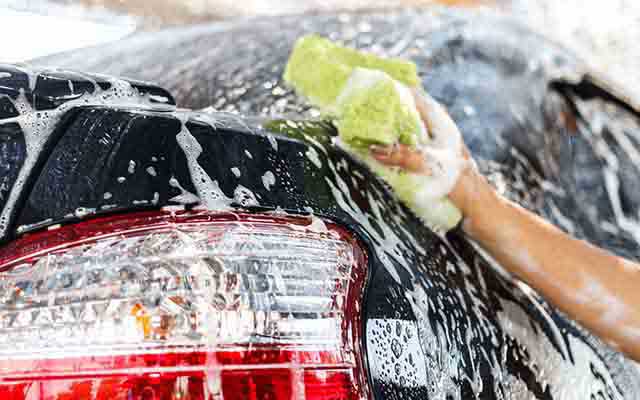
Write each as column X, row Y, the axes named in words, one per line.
column 155, row 252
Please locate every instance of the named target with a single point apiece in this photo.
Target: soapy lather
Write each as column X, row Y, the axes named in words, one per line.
column 375, row 101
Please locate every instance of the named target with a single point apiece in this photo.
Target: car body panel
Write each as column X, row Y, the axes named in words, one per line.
column 441, row 320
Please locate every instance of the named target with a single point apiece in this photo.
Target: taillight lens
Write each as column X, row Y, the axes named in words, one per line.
column 183, row 306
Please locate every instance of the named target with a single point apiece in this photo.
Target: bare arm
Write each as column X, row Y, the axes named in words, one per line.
column 594, row 287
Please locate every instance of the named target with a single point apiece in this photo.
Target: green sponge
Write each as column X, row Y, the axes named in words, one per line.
column 370, row 101
column 439, row 214
column 319, row 68
column 367, row 96
column 375, row 109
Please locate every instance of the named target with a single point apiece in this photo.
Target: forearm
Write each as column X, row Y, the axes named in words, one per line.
column 596, row 288
column 592, row 286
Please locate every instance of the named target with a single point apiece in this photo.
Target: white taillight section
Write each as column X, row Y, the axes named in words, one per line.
column 196, row 306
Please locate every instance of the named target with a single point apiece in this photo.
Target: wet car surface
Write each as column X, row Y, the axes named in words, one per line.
column 440, row 320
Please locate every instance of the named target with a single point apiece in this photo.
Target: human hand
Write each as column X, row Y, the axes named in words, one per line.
column 445, row 159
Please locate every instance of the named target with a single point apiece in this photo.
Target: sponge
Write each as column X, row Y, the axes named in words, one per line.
column 370, row 101
column 319, row 68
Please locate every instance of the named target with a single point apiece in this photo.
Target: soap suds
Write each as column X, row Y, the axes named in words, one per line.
column 442, row 152
column 185, row 197
column 508, row 237
column 29, row 227
column 245, row 197
column 567, row 380
column 273, row 142
column 318, row 226
column 208, row 190
column 82, row 212
column 593, row 293
column 312, row 155
column 382, row 234
column 268, row 180
column 38, row 125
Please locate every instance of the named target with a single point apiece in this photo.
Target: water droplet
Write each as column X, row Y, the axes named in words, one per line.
column 396, row 348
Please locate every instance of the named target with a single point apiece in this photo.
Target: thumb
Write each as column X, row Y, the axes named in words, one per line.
column 442, row 129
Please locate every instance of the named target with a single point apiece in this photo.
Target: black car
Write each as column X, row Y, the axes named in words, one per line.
column 153, row 252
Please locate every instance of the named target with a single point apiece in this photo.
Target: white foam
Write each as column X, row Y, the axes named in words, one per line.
column 208, row 189
column 593, row 292
column 185, row 197
column 244, row 196
column 37, row 126
column 312, row 155
column 443, row 152
column 273, row 142
column 566, row 380
column 268, row 180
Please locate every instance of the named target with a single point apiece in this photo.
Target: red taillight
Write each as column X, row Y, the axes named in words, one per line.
column 183, row 306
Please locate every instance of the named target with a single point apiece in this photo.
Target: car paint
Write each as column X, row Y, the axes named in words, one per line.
column 441, row 320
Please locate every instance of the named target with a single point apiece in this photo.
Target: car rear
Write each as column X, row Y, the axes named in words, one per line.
column 183, row 305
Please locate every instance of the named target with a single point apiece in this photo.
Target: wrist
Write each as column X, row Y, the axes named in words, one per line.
column 476, row 199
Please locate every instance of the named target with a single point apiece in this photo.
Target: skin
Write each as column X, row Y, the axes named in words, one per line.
column 593, row 286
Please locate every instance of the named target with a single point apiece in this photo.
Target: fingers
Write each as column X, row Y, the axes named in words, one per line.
column 424, row 108
column 402, row 156
column 441, row 128
column 443, row 149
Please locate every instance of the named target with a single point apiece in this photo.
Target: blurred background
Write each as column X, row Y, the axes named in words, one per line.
column 604, row 33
